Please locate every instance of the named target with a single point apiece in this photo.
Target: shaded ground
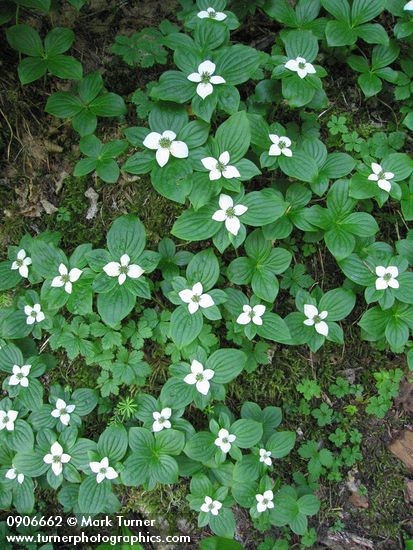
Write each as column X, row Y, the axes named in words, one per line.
column 37, row 193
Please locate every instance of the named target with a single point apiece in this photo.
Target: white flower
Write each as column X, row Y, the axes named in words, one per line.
column 224, row 440
column 123, row 269
column 195, row 298
column 205, row 77
column 19, row 376
column 66, row 278
column 63, row 411
column 280, row 146
column 21, row 263
column 212, row 14
column 387, row 277
column 316, row 319
column 34, row 314
column 56, row 458
column 161, row 420
column 165, row 145
column 265, row 456
column 382, row 178
column 220, row 167
column 211, row 506
column 7, row 420
column 200, row 377
column 253, row 314
column 265, row 501
column 103, row 470
column 300, row 66
column 409, row 6
column 12, row 474
column 229, row 213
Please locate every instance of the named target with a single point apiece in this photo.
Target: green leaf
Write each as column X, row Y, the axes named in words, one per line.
column 203, row 268
column 93, row 496
column 126, row 236
column 280, row 444
column 227, row 364
column 113, row 443
column 25, row 39
column 184, row 326
column 115, row 305
column 234, row 136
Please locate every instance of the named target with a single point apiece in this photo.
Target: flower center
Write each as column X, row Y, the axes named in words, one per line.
column 63, row 411
column 282, row 144
column 317, row 319
column 199, row 377
column 56, row 459
column 19, row 262
column 230, row 213
column 33, row 314
column 205, row 78
column 195, row 298
column 65, row 278
column 212, row 14
column 165, row 142
column 19, row 376
column 161, row 420
column 225, row 440
column 123, row 269
column 103, row 471
column 265, row 502
column 387, row 277
column 301, row 65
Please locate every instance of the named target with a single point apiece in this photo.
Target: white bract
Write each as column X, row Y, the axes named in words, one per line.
column 123, row 269
column 314, row 318
column 211, row 506
column 195, row 298
column 161, row 419
column 229, row 213
column 66, row 278
column 56, row 458
column 383, row 178
column 7, row 419
column 387, row 277
column 220, row 167
column 265, row 457
column 19, row 376
column 212, row 14
column 205, row 78
column 22, row 263
column 103, row 470
column 224, row 440
column 12, row 474
column 265, row 501
column 280, row 146
column 199, row 377
column 409, row 6
column 300, row 66
column 166, row 145
column 63, row 411
column 34, row 314
column 253, row 314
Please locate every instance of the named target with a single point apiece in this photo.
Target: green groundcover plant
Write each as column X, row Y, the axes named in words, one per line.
column 254, row 193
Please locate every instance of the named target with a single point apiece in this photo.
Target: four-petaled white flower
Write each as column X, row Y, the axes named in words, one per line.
column 123, row 269
column 300, row 66
column 220, row 167
column 314, row 318
column 229, row 213
column 199, row 377
column 103, row 470
column 195, row 298
column 63, row 411
column 280, row 146
column 224, row 440
column 265, row 456
column 387, row 277
column 66, row 278
column 7, row 419
column 12, row 474
column 22, row 263
column 19, row 376
column 161, row 419
column 56, row 458
column 265, row 501
column 409, row 6
column 383, row 178
column 165, row 144
column 34, row 314
column 212, row 14
column 211, row 506
column 205, row 78
column 253, row 314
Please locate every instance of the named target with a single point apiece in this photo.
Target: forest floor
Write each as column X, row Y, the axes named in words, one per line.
column 38, row 193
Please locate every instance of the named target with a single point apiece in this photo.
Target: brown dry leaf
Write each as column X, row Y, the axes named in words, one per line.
column 359, row 501
column 49, row 208
column 408, row 490
column 405, row 396
column 402, row 448
column 93, row 197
